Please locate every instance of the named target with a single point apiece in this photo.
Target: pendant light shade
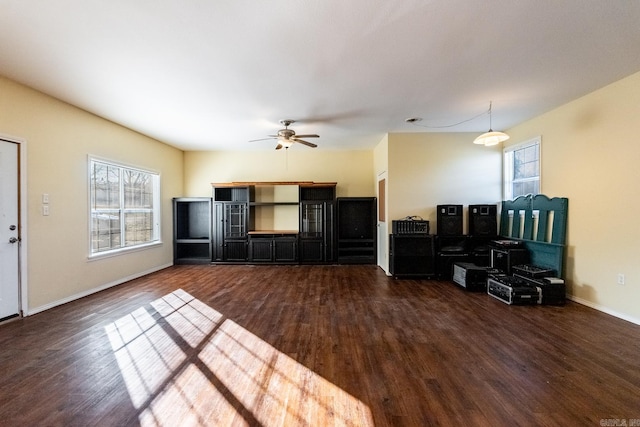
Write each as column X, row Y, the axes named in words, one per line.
column 492, row 137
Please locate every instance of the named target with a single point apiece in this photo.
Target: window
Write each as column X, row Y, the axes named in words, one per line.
column 522, row 169
column 124, row 207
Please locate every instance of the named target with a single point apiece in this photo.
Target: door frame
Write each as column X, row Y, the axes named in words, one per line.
column 382, row 228
column 23, row 301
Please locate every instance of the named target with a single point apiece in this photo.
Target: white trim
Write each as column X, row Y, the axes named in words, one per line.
column 22, row 273
column 95, row 290
column 528, row 142
column 508, row 169
column 123, row 251
column 604, row 309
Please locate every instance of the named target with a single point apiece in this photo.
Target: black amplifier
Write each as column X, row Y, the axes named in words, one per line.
column 409, row 226
column 505, row 259
column 533, row 271
column 506, row 243
column 512, row 290
column 551, row 290
column 470, row 276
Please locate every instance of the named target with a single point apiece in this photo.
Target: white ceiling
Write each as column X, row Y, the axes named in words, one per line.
column 214, row 74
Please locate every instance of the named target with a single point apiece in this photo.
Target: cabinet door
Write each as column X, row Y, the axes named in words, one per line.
column 235, row 220
column 312, row 219
column 329, row 236
column 218, row 231
column 311, row 250
column 260, row 250
column 285, row 249
column 235, row 250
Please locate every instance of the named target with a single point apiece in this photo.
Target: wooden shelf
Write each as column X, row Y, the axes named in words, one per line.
column 300, row 183
column 259, row 232
column 274, row 203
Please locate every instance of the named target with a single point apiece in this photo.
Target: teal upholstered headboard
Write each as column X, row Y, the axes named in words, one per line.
column 541, row 223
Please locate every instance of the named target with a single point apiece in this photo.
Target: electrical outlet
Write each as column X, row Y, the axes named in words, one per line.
column 620, row 279
column 45, row 210
column 45, row 198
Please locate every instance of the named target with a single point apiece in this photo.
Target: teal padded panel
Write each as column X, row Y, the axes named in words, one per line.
column 555, row 208
column 546, row 248
column 517, row 205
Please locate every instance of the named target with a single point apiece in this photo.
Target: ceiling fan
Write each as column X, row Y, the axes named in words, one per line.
column 286, row 137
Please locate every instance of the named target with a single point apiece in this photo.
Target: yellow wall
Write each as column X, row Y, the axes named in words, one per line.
column 429, row 169
column 59, row 138
column 424, row 170
column 591, row 154
column 352, row 170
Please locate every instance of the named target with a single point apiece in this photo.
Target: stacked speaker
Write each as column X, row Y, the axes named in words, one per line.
column 483, row 220
column 449, row 220
column 454, row 246
column 483, row 228
column 451, row 243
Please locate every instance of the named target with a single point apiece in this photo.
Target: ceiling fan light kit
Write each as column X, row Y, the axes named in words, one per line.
column 287, row 137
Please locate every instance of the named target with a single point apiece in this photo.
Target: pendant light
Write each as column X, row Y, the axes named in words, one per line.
column 492, row 137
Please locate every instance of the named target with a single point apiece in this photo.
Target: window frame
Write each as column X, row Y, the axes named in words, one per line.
column 156, row 230
column 508, row 170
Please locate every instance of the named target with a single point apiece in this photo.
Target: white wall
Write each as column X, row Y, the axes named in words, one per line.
column 59, row 139
column 591, row 154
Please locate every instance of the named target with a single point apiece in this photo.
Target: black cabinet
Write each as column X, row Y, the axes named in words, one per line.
column 412, row 255
column 357, row 221
column 231, row 223
column 317, row 237
column 192, row 230
column 273, row 247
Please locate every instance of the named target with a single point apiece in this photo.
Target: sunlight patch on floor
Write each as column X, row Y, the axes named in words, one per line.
column 183, row 363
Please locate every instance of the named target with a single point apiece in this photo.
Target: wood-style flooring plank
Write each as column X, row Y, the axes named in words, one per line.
column 313, row 345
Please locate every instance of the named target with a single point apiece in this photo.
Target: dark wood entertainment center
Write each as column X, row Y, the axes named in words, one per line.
column 224, row 228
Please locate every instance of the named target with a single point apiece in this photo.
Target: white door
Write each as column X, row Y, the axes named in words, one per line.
column 9, row 230
column 383, row 260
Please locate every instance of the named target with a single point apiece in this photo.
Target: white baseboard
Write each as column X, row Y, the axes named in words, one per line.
column 32, row 311
column 604, row 309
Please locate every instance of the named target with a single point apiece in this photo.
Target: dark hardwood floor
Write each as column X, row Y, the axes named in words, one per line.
column 314, row 345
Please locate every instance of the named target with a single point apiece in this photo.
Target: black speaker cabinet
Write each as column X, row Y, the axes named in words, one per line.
column 483, row 220
column 449, row 220
column 412, row 255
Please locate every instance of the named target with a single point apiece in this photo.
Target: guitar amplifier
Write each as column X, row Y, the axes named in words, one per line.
column 505, row 258
column 470, row 276
column 512, row 290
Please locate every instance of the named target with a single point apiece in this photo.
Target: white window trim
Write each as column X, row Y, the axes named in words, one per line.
column 157, row 208
column 507, row 169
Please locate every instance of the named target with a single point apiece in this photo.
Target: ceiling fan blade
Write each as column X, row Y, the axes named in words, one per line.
column 264, row 139
column 308, row 144
column 312, row 135
column 279, row 146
